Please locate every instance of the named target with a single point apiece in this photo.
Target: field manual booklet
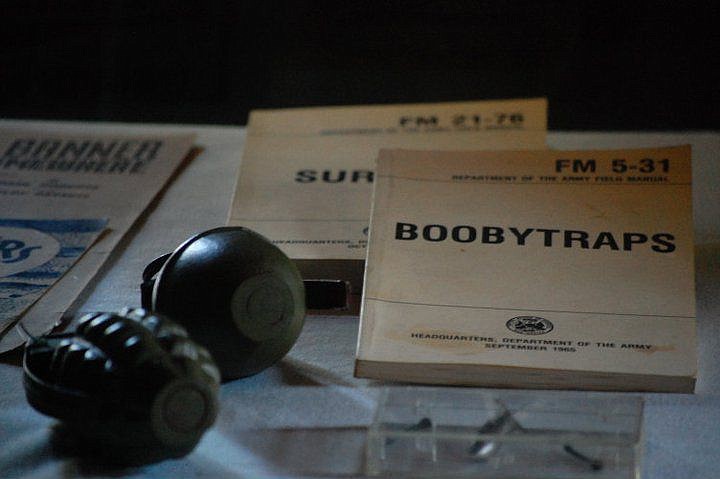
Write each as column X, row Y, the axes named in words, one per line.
column 535, row 269
column 306, row 175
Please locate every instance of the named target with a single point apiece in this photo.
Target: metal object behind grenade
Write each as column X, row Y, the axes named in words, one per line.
column 131, row 386
column 235, row 292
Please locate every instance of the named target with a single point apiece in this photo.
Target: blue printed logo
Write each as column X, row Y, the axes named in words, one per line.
column 22, row 249
column 12, row 250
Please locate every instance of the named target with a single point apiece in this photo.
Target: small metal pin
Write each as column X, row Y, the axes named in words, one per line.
column 595, row 464
column 502, row 424
column 506, row 423
column 421, row 425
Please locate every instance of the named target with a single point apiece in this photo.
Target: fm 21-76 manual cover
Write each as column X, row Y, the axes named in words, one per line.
column 70, row 173
column 535, row 269
column 306, row 175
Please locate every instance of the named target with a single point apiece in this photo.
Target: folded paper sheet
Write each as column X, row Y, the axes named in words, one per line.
column 54, row 175
column 34, row 254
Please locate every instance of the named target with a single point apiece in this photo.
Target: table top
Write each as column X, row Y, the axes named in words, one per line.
column 307, row 413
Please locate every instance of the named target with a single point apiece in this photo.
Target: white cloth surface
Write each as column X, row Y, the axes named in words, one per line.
column 306, row 415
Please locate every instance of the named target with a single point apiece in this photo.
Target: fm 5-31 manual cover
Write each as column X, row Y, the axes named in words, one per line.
column 306, row 174
column 535, row 269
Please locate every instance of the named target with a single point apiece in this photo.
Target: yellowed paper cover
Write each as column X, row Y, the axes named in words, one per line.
column 306, row 174
column 521, row 266
column 466, row 116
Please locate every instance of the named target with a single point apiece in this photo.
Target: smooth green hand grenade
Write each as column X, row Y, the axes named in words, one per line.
column 235, row 292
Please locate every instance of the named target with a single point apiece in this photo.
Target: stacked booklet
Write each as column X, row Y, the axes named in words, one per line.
column 489, row 260
column 544, row 269
column 307, row 174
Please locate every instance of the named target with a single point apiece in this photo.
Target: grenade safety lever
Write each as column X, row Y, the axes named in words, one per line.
column 320, row 294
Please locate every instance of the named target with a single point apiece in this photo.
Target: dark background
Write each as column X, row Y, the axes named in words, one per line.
column 603, row 65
